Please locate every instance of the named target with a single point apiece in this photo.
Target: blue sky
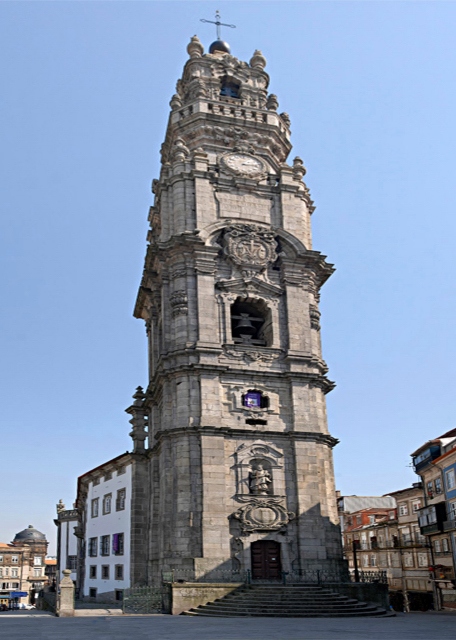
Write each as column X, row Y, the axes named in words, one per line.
column 85, row 88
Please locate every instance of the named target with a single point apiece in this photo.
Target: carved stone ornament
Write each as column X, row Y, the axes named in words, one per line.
column 244, row 165
column 250, row 356
column 263, row 515
column 250, row 247
column 179, row 303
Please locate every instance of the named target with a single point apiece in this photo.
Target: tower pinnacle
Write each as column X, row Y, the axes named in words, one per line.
column 219, row 44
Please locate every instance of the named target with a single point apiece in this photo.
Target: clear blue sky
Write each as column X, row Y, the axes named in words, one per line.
column 85, row 87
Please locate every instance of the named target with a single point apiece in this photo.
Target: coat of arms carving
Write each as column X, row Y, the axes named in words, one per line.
column 250, row 247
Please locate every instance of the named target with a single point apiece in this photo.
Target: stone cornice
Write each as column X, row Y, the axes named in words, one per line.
column 228, row 432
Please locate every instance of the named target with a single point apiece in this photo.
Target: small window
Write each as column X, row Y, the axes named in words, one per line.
column 93, row 571
column 452, row 510
column 358, row 519
column 15, row 560
column 391, row 515
column 119, row 572
column 104, row 545
column 230, row 89
column 93, row 547
column 408, row 560
column 422, row 560
column 118, row 544
column 373, row 561
column 107, row 499
column 36, row 573
column 1, row 558
column 95, row 508
column 255, row 399
column 416, row 506
column 430, row 488
column 37, row 560
column 1, row 572
column 108, row 476
column 92, row 593
column 15, row 572
column 365, row 561
column 6, row 571
column 105, row 571
column 437, row 547
column 403, row 509
column 438, row 485
column 445, row 546
column 121, row 471
column 450, row 479
column 96, row 482
column 120, row 500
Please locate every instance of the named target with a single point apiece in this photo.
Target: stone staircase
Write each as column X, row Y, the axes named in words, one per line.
column 290, row 601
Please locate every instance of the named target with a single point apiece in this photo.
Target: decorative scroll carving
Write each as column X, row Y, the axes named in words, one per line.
column 250, row 356
column 314, row 317
column 250, row 247
column 263, row 514
column 179, row 302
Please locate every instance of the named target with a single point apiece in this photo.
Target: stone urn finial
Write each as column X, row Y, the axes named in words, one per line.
column 175, row 102
column 195, row 49
column 272, row 104
column 258, row 61
column 299, row 169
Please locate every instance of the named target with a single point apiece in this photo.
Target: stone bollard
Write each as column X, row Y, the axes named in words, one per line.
column 65, row 607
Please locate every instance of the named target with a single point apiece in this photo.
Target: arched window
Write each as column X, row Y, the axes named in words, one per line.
column 251, row 323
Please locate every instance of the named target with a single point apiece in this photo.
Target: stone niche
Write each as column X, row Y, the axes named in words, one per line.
column 247, row 458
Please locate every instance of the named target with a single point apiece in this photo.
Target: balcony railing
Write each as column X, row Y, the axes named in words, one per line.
column 449, row 525
column 414, row 540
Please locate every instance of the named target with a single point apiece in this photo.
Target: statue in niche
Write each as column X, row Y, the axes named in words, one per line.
column 260, row 479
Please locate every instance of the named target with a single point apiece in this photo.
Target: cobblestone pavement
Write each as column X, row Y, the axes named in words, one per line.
column 40, row 626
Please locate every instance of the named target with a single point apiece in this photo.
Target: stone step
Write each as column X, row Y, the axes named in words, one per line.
column 288, row 602
column 213, row 607
column 281, row 598
column 377, row 613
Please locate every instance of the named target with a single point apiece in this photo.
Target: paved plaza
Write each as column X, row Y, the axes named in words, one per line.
column 40, row 626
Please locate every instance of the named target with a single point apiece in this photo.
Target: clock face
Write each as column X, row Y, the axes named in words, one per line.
column 243, row 164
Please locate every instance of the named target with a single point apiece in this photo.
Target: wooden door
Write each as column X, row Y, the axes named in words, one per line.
column 266, row 562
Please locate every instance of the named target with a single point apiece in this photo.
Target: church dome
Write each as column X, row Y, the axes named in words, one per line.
column 29, row 535
column 220, row 46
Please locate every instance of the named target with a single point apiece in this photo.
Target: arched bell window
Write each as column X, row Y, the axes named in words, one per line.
column 251, row 323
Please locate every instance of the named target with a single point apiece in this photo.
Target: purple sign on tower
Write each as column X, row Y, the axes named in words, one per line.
column 252, row 399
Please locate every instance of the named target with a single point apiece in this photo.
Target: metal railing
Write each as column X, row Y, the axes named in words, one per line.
column 309, row 576
column 212, row 575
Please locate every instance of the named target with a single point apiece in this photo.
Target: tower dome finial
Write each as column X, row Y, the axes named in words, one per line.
column 219, row 46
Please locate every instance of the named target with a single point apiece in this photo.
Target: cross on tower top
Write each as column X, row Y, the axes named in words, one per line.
column 218, row 24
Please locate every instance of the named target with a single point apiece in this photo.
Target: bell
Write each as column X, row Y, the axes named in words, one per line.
column 245, row 326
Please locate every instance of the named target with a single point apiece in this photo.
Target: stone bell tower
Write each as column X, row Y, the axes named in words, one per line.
column 238, row 470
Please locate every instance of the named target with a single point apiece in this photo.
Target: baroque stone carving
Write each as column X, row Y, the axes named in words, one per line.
column 314, row 317
column 250, row 356
column 179, row 302
column 250, row 247
column 260, row 479
column 263, row 514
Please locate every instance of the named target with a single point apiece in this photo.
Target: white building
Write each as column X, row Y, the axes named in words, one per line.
column 94, row 539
